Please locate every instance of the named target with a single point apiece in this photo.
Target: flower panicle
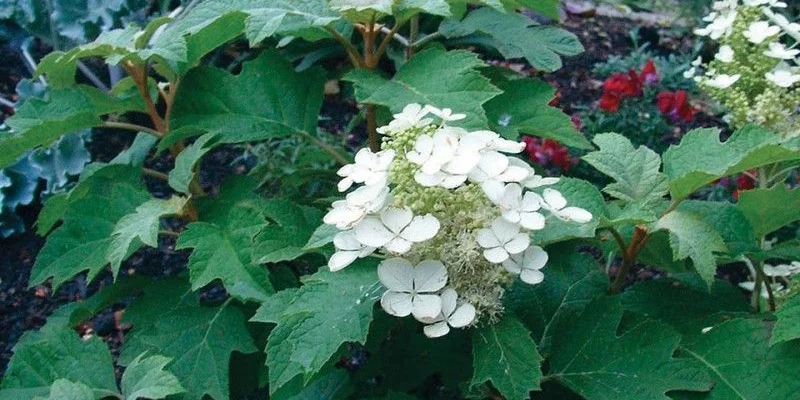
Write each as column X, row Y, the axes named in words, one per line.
column 436, row 186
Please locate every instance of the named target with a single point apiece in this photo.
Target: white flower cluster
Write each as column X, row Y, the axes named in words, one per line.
column 770, row 30
column 778, row 279
column 440, row 157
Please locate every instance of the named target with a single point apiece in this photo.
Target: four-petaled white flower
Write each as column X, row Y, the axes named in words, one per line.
column 396, row 230
column 501, row 240
column 528, row 265
column 759, row 31
column 348, row 249
column 444, row 159
column 453, row 314
column 494, row 166
column 783, row 76
column 554, row 201
column 517, row 208
column 412, row 290
column 723, row 81
column 778, row 50
column 369, row 168
column 357, row 204
column 725, row 54
column 412, row 116
column 488, row 140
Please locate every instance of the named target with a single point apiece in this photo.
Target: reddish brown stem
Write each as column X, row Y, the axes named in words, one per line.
column 629, row 258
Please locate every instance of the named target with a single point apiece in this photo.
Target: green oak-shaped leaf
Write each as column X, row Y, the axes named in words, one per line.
column 737, row 356
column 516, row 36
column 505, row 354
column 57, row 352
column 312, row 322
column 636, row 172
column 788, row 325
column 145, row 377
column 140, row 228
column 40, row 122
column 84, row 239
column 691, row 236
column 573, row 280
column 578, row 193
column 180, row 178
column 728, row 221
column 223, row 241
column 701, row 158
column 169, row 321
column 770, row 209
column 590, row 358
column 523, row 108
column 285, row 239
column 456, row 84
column 253, row 105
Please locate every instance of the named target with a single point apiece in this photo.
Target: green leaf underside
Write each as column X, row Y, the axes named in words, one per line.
column 168, row 320
column 309, row 329
column 592, row 360
column 505, row 354
column 701, row 158
column 457, row 84
column 223, row 242
column 788, row 325
column 83, row 240
column 253, row 105
column 635, row 171
column 578, row 193
column 40, row 122
column 523, row 108
column 693, row 237
column 770, row 209
column 737, row 356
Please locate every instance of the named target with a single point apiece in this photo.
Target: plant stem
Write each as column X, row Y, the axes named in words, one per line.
column 412, row 35
column 92, row 77
column 326, row 148
column 425, row 40
column 130, row 127
column 155, row 174
column 352, row 52
column 384, row 44
column 139, row 76
column 629, row 258
column 770, row 295
column 397, row 37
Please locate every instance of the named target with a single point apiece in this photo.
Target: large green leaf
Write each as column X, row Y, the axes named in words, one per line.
column 223, row 243
column 63, row 389
column 168, row 320
column 572, row 280
column 691, row 236
column 145, row 377
column 95, row 207
column 635, row 171
column 737, row 356
column 592, row 360
column 253, row 105
column 505, row 354
column 517, row 36
column 770, row 209
column 686, row 304
column 788, row 325
column 444, row 79
column 728, row 221
column 331, row 308
column 523, row 108
column 57, row 352
column 701, row 158
column 40, row 122
column 140, row 228
column 578, row 193
column 286, row 239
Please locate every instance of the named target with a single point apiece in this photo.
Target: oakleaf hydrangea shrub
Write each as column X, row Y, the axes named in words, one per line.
column 755, row 72
column 432, row 261
column 454, row 213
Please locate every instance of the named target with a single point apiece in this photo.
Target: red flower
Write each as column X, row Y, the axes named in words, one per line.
column 676, row 105
column 610, row 102
column 617, row 87
column 546, row 151
column 649, row 74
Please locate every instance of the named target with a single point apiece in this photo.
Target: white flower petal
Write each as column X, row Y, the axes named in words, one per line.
column 513, row 264
column 575, row 214
column 449, row 301
column 426, row 307
column 396, row 274
column 372, row 232
column 518, row 244
column 341, row 259
column 504, row 230
column 344, row 184
column 429, row 276
column 346, row 240
column 421, row 228
column 554, row 199
column 531, row 276
column 396, row 219
column 532, row 220
column 495, row 255
column 396, row 303
column 398, row 245
column 534, row 258
column 462, row 316
column 429, row 180
column 487, row 239
column 436, row 330
column 453, row 181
